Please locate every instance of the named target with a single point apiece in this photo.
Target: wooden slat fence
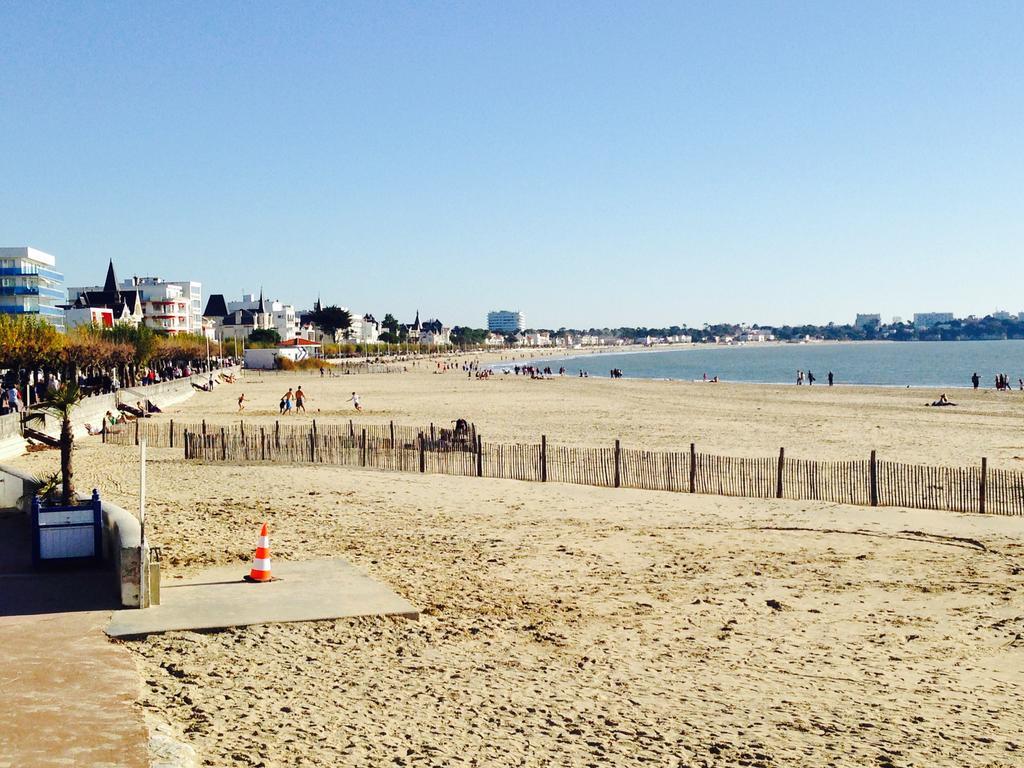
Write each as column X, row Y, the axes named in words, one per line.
column 436, row 450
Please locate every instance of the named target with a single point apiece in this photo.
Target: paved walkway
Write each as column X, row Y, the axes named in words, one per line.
column 68, row 692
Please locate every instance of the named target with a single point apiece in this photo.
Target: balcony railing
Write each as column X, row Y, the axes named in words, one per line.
column 30, row 271
column 31, row 290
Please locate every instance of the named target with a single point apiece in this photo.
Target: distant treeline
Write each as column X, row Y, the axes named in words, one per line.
column 986, row 328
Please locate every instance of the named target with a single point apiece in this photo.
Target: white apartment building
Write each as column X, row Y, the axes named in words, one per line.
column 506, row 321
column 168, row 306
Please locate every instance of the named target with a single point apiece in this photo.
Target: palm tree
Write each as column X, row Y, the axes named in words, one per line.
column 61, row 404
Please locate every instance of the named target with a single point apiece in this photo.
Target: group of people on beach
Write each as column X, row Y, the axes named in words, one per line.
column 1002, row 382
column 811, row 378
column 294, row 400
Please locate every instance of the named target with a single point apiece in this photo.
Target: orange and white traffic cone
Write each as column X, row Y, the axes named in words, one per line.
column 260, row 570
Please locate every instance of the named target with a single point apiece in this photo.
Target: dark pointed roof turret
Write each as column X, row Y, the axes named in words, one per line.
column 110, row 284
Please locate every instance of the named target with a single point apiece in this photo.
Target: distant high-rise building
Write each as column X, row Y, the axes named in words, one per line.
column 30, row 284
column 1001, row 315
column 505, row 321
column 863, row 321
column 897, row 320
column 928, row 319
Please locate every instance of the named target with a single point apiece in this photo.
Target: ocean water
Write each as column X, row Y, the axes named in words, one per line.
column 918, row 363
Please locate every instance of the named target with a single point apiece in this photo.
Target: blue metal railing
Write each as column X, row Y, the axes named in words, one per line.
column 31, row 290
column 29, row 271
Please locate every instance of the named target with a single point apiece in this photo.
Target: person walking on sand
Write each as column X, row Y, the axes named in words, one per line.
column 355, row 401
column 810, row 378
column 241, row 402
column 300, row 399
column 286, row 401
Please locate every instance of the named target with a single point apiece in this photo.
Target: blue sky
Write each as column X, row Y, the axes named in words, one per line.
column 590, row 164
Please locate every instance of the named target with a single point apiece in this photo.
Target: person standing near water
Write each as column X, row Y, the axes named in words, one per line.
column 810, row 378
column 799, row 378
column 975, row 379
column 830, row 379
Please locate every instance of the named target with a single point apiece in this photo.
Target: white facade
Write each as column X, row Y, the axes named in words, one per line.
column 193, row 291
column 505, row 321
column 100, row 317
column 364, row 330
column 440, row 338
column 535, row 339
column 164, row 307
column 284, row 319
column 928, row 319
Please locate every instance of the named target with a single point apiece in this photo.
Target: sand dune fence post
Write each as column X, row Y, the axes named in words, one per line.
column 136, row 431
column 983, row 485
column 543, row 458
column 312, row 444
column 391, row 426
column 172, row 433
column 618, row 464
column 423, row 459
column 185, row 437
column 277, row 435
column 351, row 429
column 223, row 445
column 873, row 478
column 364, row 446
column 479, row 456
column 263, row 444
column 778, row 477
column 103, row 434
column 693, row 467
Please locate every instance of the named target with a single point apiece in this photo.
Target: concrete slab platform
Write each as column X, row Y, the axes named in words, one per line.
column 218, row 598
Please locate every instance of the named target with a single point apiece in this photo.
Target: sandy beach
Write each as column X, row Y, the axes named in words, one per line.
column 577, row 626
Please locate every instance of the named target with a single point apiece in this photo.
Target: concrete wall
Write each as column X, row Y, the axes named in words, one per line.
column 11, row 442
column 123, row 550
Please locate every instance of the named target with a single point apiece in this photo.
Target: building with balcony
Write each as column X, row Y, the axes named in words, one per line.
column 31, row 285
column 168, row 306
column 505, row 321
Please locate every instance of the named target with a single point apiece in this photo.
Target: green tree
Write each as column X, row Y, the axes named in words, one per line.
column 391, row 325
column 264, row 336
column 332, row 319
column 61, row 404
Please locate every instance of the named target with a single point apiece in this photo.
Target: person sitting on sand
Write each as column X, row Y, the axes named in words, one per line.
column 943, row 400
